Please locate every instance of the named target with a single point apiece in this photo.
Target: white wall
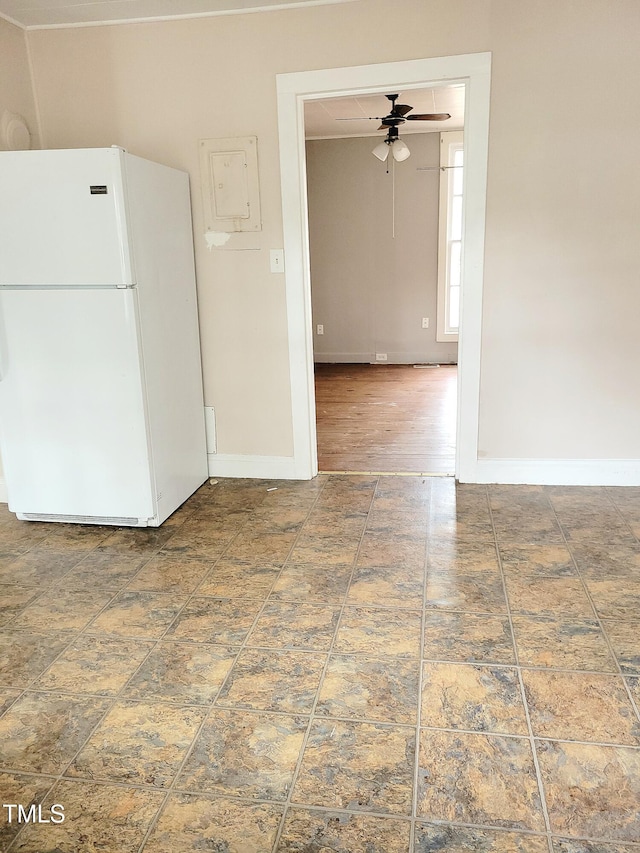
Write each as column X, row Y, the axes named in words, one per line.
column 371, row 289
column 16, row 96
column 561, row 297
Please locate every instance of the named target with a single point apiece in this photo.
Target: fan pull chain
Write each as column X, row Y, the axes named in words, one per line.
column 393, row 197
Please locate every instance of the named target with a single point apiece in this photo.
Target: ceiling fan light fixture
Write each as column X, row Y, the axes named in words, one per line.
column 381, row 151
column 400, row 151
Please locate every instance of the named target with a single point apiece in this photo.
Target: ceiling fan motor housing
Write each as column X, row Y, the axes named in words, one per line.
column 392, row 135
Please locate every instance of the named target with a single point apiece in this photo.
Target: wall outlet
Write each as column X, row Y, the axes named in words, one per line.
column 381, row 356
column 319, row 329
column 425, row 322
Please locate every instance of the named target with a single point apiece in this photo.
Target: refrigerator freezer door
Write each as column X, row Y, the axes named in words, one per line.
column 63, row 218
column 72, row 412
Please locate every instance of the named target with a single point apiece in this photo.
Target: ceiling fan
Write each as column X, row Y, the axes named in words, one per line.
column 398, row 115
column 391, row 122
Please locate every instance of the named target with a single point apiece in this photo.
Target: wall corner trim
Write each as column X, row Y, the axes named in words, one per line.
column 11, row 20
column 558, row 472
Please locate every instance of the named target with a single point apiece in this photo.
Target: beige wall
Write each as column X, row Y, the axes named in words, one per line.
column 560, row 343
column 16, row 93
column 371, row 289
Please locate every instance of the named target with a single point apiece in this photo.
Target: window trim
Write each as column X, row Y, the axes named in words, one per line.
column 450, row 142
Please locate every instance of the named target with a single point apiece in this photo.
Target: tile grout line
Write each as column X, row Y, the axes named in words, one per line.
column 532, row 744
column 597, row 617
column 621, row 514
column 312, row 716
column 241, row 647
column 423, row 627
column 21, row 831
column 635, row 704
column 205, row 708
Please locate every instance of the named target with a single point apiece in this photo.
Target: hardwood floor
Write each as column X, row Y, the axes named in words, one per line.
column 387, row 418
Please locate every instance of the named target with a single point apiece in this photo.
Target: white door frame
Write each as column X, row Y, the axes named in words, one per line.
column 474, row 71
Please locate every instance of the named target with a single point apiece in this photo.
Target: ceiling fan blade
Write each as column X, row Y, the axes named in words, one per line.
column 429, row 117
column 401, row 109
column 383, row 126
column 362, row 118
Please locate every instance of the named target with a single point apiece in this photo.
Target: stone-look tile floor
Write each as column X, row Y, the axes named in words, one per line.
column 353, row 664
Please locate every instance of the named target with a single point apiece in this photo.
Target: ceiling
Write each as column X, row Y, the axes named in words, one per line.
column 66, row 13
column 323, row 118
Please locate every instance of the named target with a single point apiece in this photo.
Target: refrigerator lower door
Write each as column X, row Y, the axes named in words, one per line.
column 72, row 411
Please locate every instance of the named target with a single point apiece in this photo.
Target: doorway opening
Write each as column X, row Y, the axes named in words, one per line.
column 374, row 212
column 471, row 71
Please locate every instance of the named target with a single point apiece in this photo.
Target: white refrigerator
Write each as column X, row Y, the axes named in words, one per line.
column 101, row 404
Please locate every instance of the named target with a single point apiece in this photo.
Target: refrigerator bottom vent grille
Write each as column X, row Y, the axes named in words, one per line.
column 82, row 519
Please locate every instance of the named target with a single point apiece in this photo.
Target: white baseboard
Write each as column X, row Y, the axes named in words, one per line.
column 539, row 472
column 342, row 357
column 259, row 467
column 545, row 472
column 229, row 465
column 392, row 358
column 559, row 472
